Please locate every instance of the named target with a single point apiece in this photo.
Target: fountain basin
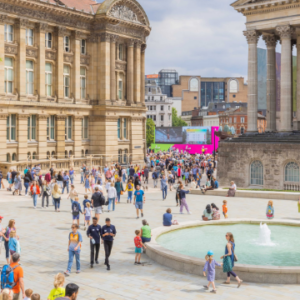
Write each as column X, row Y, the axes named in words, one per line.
column 194, row 265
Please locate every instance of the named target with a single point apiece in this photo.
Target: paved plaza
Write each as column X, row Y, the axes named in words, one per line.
column 44, row 241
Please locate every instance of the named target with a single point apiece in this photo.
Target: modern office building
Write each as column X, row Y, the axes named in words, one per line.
column 167, row 78
column 159, row 106
column 197, row 91
column 72, row 83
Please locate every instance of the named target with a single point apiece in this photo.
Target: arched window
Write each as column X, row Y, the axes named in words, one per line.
column 86, row 152
column 256, row 173
column 28, row 155
column 120, row 156
column 14, row 157
column 34, row 155
column 48, row 155
column 53, row 154
column 125, row 156
column 8, row 157
column 66, row 154
column 82, row 153
column 194, row 85
column 70, row 153
column 291, row 172
column 233, row 86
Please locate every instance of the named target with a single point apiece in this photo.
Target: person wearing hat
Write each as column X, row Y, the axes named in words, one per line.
column 210, row 267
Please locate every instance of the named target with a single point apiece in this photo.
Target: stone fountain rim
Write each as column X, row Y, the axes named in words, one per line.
column 153, row 246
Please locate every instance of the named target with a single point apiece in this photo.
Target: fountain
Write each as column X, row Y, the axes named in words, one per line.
column 264, row 235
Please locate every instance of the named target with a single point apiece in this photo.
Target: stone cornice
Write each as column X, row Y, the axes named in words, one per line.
column 3, row 19
column 43, row 117
column 23, row 117
column 60, row 117
column 3, row 116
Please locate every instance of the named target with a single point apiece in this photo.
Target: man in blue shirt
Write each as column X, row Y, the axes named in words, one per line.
column 108, row 232
column 94, row 233
column 66, row 181
column 164, row 187
column 139, row 199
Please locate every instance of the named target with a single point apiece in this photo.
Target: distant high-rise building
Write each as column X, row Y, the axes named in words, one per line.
column 166, row 79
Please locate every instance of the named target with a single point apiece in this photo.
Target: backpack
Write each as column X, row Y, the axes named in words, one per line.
column 129, row 186
column 154, row 175
column 102, row 200
column 75, row 210
column 7, row 277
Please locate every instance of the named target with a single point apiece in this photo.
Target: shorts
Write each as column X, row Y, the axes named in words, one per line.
column 76, row 217
column 88, row 218
column 98, row 210
column 138, row 250
column 139, row 205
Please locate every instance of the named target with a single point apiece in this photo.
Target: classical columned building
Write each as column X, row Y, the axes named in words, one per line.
column 269, row 160
column 72, row 81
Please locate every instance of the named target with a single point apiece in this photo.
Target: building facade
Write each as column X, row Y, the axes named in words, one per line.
column 197, row 91
column 211, row 120
column 72, row 83
column 159, row 106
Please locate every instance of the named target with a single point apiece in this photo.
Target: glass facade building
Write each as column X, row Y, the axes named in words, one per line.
column 212, row 92
column 166, row 79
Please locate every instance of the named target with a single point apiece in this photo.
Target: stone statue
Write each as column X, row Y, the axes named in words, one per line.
column 124, row 13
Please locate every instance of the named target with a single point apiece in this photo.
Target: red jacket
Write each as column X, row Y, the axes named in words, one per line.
column 37, row 189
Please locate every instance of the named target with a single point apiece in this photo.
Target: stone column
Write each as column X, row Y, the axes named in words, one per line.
column 76, row 37
column 92, row 82
column 61, row 32
column 22, row 136
column 285, row 33
column 3, row 19
column 130, row 78
column 21, row 57
column 3, row 120
column 77, row 134
column 252, row 37
column 60, row 135
column 143, row 73
column 105, row 66
column 298, row 81
column 42, row 136
column 113, row 83
column 137, row 71
column 271, row 42
column 41, row 28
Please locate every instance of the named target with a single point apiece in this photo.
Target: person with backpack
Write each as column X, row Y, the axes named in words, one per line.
column 76, row 210
column 12, row 277
column 154, row 177
column 97, row 201
column 129, row 188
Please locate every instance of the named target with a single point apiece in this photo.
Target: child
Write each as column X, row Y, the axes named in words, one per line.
column 59, row 290
column 87, row 184
column 129, row 188
column 210, row 266
column 86, row 201
column 13, row 243
column 28, row 294
column 87, row 213
column 270, row 210
column 138, row 247
column 76, row 210
column 35, row 297
column 193, row 184
column 225, row 209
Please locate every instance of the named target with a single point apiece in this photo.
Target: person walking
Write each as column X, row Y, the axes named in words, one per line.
column 74, row 249
column 139, row 199
column 97, row 201
column 56, row 196
column 108, row 232
column 155, row 177
column 18, row 277
column 18, row 184
column 146, row 175
column 129, row 188
column 112, row 196
column 119, row 188
column 72, row 175
column 66, row 182
column 73, row 193
column 46, row 192
column 35, row 191
column 182, row 197
column 94, row 234
column 60, row 179
column 164, row 187
column 228, row 259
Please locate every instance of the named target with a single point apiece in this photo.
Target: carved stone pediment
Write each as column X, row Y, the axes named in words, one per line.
column 68, row 57
column 11, row 48
column 124, row 13
column 85, row 59
column 31, row 51
column 50, row 54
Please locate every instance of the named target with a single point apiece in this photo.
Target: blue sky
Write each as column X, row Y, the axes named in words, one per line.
column 196, row 37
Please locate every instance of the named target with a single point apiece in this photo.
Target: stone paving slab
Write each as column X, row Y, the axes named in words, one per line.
column 44, row 233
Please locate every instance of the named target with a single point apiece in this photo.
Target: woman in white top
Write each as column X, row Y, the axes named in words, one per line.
column 232, row 189
column 111, row 195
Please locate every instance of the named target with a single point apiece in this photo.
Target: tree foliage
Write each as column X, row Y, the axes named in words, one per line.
column 177, row 121
column 150, row 127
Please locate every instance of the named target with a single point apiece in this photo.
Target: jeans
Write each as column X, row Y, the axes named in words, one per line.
column 34, row 197
column 124, row 178
column 26, row 184
column 53, row 202
column 107, row 248
column 231, row 273
column 56, row 203
column 71, row 202
column 184, row 204
column 71, row 257
column 72, row 180
column 146, row 240
column 198, row 182
column 45, row 195
column 66, row 186
column 81, row 179
column 165, row 192
column 146, row 179
column 93, row 255
column 119, row 197
column 111, row 201
column 155, row 182
column 129, row 196
column 96, row 180
column 60, row 184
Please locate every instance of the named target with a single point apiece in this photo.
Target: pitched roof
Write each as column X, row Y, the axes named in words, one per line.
column 89, row 6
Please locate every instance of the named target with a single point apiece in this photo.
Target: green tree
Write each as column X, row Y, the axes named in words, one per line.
column 150, row 127
column 177, row 121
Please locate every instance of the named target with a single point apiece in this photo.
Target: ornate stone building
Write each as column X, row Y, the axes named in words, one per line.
column 72, row 81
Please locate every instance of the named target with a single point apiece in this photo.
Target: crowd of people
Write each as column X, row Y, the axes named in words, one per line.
column 103, row 187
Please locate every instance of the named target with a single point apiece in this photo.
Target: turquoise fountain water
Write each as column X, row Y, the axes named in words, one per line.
column 272, row 245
